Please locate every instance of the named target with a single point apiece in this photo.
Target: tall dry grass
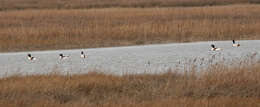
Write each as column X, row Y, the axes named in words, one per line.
column 76, row 4
column 219, row 85
column 63, row 29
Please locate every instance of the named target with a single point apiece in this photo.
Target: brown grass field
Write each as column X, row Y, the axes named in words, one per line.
column 218, row 85
column 84, row 28
column 65, row 24
column 79, row 4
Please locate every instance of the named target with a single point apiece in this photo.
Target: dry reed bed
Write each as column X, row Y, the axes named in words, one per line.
column 63, row 29
column 69, row 4
column 217, row 86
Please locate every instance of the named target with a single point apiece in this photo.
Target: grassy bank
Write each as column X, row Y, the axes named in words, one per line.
column 79, row 4
column 79, row 28
column 217, row 86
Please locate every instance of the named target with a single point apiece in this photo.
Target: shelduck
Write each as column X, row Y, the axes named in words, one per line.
column 213, row 48
column 30, row 57
column 63, row 57
column 235, row 44
column 83, row 55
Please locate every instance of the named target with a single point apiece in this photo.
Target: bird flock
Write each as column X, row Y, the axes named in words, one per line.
column 214, row 48
column 61, row 56
column 83, row 55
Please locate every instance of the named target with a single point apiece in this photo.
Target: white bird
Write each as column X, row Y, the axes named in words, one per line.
column 30, row 57
column 213, row 48
column 235, row 44
column 83, row 55
column 63, row 57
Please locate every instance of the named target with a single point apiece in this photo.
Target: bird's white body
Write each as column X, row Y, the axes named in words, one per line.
column 236, row 45
column 216, row 49
column 31, row 58
column 64, row 57
column 83, row 56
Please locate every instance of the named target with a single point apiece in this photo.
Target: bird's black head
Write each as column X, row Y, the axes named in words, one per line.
column 233, row 41
column 29, row 55
column 82, row 52
column 213, row 46
column 61, row 54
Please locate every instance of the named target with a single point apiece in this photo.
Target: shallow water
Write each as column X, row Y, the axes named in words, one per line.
column 120, row 60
